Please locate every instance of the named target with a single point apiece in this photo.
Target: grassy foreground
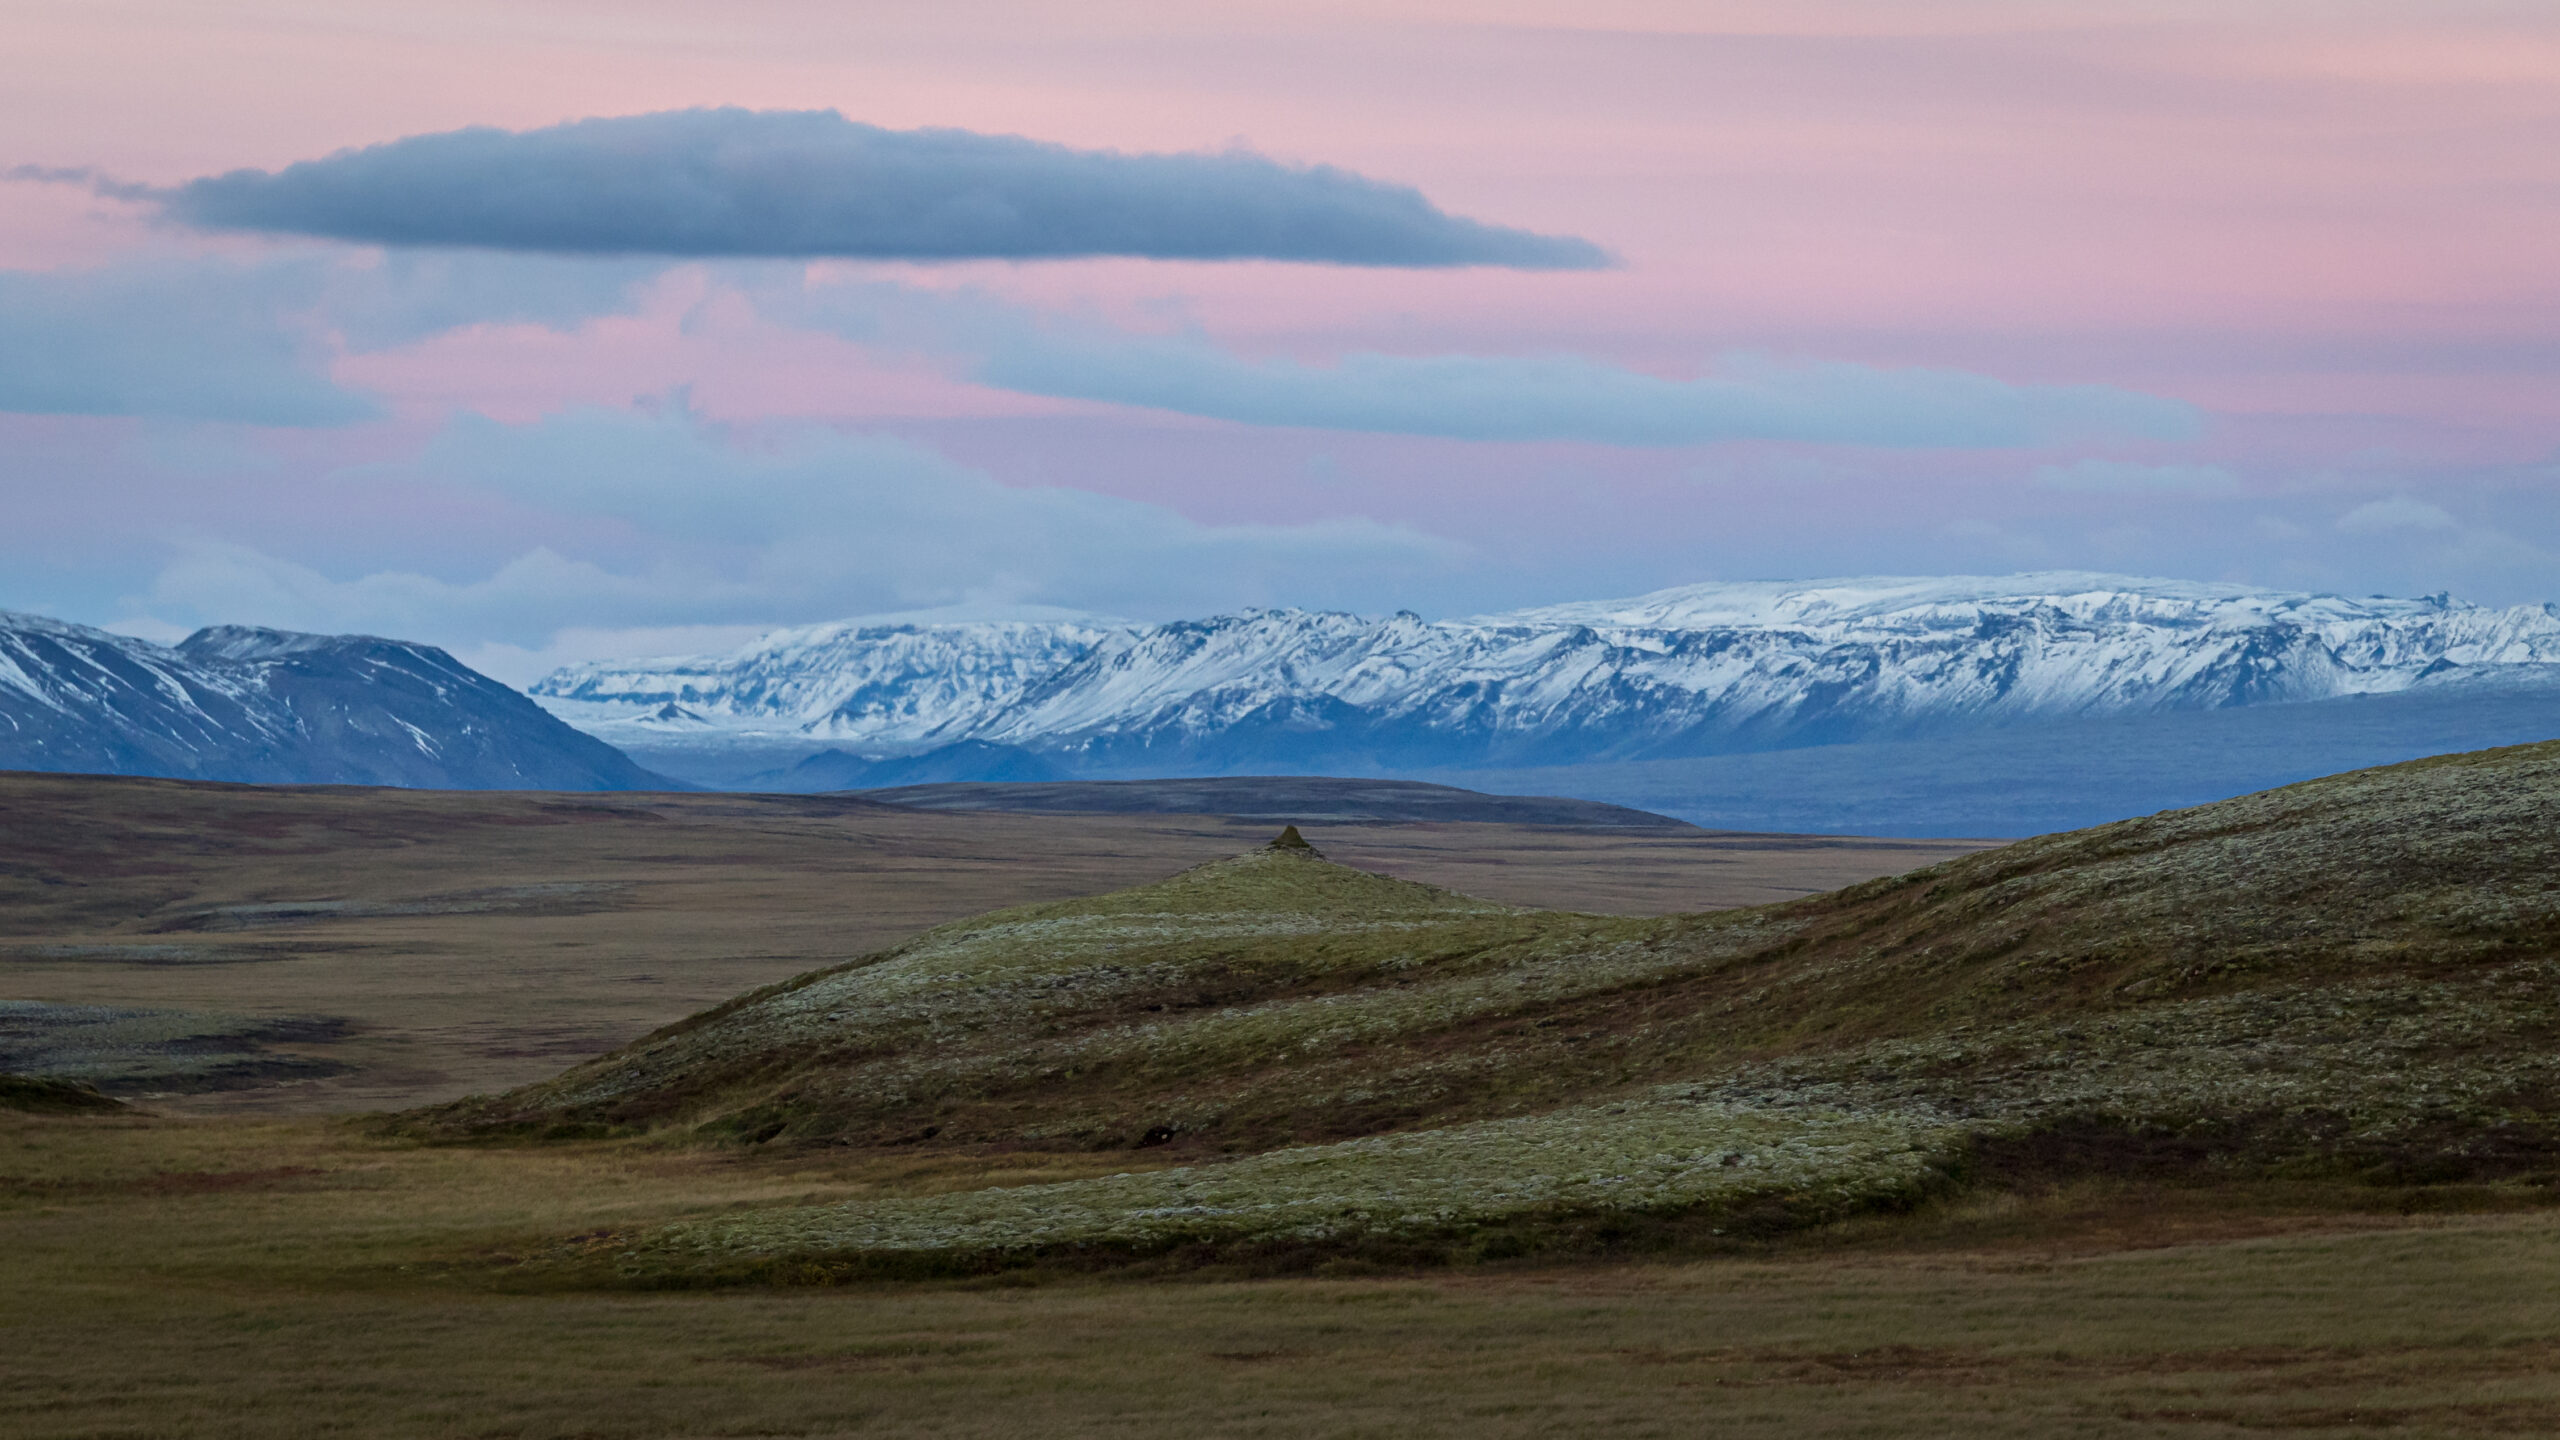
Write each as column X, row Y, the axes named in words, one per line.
column 260, row 1278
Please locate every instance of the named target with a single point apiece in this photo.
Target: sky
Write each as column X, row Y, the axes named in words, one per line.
column 558, row 331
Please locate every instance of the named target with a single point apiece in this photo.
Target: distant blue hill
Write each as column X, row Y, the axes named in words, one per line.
column 968, row 760
column 2062, row 775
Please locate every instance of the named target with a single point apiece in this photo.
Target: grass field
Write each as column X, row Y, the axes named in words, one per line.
column 2340, row 995
column 265, row 1277
column 436, row 944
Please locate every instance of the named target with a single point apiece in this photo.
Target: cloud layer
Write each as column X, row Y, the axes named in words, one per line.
column 734, row 182
column 252, row 342
column 662, row 520
column 188, row 339
column 1568, row 397
column 2395, row 514
column 2124, row 477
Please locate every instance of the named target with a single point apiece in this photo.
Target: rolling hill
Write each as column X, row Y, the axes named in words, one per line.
column 2350, row 977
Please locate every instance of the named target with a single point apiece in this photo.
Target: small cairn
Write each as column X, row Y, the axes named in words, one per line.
column 1290, row 842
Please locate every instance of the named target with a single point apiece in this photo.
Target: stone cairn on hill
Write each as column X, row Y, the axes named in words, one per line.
column 1290, row 842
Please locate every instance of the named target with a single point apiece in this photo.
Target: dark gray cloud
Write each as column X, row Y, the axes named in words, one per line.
column 736, row 182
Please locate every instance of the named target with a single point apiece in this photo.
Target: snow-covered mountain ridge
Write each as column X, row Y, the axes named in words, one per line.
column 1701, row 669
column 900, row 685
column 276, row 706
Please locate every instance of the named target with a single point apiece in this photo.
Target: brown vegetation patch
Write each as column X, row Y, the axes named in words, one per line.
column 886, row 1355
column 2442, row 1150
column 2520, row 1417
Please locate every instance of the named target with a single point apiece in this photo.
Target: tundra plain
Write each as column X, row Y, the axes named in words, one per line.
column 261, row 1258
column 431, row 944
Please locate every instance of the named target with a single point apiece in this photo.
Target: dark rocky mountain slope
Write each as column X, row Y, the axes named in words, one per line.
column 273, row 706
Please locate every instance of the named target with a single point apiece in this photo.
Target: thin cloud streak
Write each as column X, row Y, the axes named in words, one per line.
column 1477, row 397
column 1567, row 397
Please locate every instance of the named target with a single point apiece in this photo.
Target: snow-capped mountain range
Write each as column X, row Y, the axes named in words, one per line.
column 275, row 706
column 1703, row 669
column 898, row 686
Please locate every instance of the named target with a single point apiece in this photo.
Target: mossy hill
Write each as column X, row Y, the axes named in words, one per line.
column 2358, row 976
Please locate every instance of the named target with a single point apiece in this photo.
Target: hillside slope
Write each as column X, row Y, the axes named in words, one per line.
column 2356, row 975
column 273, row 706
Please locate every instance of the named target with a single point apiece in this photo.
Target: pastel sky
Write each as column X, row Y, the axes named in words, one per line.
column 548, row 331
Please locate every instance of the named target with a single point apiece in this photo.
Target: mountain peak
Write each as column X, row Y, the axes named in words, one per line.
column 244, row 703
column 1697, row 670
column 257, row 642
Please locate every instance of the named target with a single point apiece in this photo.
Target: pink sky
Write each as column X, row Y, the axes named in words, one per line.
column 2331, row 229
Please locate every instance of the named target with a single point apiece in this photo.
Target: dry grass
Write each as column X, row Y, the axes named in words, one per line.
column 172, row 1274
column 248, row 1278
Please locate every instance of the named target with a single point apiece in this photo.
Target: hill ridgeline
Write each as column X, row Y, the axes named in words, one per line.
column 2353, row 977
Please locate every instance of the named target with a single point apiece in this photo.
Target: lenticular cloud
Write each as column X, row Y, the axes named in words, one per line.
column 812, row 183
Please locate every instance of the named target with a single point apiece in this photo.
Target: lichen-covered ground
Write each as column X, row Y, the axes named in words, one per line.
column 2349, row 978
column 239, row 1278
column 1657, row 1154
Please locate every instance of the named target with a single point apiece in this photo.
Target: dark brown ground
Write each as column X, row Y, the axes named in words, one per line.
column 477, row 941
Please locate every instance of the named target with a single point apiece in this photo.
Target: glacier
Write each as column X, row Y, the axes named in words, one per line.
column 1698, row 670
